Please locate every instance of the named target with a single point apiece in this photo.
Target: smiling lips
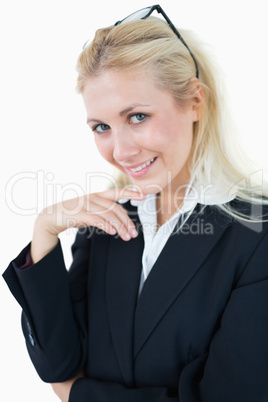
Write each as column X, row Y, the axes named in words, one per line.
column 140, row 170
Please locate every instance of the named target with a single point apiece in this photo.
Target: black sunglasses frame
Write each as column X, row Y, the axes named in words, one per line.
column 159, row 9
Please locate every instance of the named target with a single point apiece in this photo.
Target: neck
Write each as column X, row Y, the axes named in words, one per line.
column 169, row 201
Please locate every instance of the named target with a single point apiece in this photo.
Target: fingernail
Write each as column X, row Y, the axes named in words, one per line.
column 127, row 236
column 134, row 233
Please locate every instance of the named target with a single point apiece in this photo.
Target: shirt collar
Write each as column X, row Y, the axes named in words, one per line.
column 195, row 194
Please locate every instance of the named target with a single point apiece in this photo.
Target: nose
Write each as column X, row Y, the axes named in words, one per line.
column 124, row 147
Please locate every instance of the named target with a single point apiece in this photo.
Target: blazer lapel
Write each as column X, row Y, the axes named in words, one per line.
column 122, row 284
column 178, row 262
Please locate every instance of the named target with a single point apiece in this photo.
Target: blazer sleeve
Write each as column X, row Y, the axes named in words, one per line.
column 53, row 304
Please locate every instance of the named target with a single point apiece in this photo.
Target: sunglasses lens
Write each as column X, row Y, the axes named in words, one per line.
column 138, row 15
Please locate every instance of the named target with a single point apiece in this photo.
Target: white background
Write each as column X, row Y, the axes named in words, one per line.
column 43, row 130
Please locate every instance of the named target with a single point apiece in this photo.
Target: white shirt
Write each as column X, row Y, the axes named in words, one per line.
column 155, row 240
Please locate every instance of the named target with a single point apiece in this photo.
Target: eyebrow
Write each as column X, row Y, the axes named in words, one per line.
column 131, row 107
column 122, row 113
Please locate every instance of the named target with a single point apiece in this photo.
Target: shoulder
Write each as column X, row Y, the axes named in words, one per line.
column 244, row 217
column 243, row 245
column 246, row 233
column 240, row 231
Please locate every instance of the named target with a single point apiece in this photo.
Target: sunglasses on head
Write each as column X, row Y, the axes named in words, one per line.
column 145, row 13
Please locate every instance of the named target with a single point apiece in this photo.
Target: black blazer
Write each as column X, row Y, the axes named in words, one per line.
column 197, row 333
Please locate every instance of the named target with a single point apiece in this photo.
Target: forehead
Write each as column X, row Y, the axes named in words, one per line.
column 123, row 82
column 119, row 89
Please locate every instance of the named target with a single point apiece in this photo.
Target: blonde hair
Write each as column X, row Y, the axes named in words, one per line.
column 151, row 46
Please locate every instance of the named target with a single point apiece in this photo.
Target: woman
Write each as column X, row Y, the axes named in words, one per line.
column 166, row 299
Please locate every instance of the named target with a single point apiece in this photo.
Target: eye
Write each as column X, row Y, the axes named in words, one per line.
column 137, row 118
column 101, row 128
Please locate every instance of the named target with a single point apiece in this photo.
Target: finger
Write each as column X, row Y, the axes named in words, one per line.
column 116, row 194
column 125, row 229
column 100, row 216
column 122, row 214
column 110, row 225
column 121, row 223
column 109, row 205
column 116, row 214
column 97, row 222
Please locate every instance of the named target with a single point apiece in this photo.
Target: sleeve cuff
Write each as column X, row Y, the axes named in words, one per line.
column 28, row 261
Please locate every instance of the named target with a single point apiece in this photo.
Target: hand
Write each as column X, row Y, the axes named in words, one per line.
column 63, row 389
column 97, row 209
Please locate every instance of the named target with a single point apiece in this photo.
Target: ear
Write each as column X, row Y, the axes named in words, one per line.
column 198, row 97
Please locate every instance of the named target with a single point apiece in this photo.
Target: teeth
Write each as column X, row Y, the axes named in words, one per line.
column 137, row 169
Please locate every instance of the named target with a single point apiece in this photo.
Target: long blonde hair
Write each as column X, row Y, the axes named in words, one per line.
column 151, row 46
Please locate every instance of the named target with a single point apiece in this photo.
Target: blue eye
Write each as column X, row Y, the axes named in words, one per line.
column 137, row 118
column 101, row 128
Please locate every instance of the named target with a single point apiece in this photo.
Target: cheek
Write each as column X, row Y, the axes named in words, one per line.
column 171, row 138
column 154, row 137
column 181, row 133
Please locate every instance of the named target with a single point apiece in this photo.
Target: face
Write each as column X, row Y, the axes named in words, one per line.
column 140, row 129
